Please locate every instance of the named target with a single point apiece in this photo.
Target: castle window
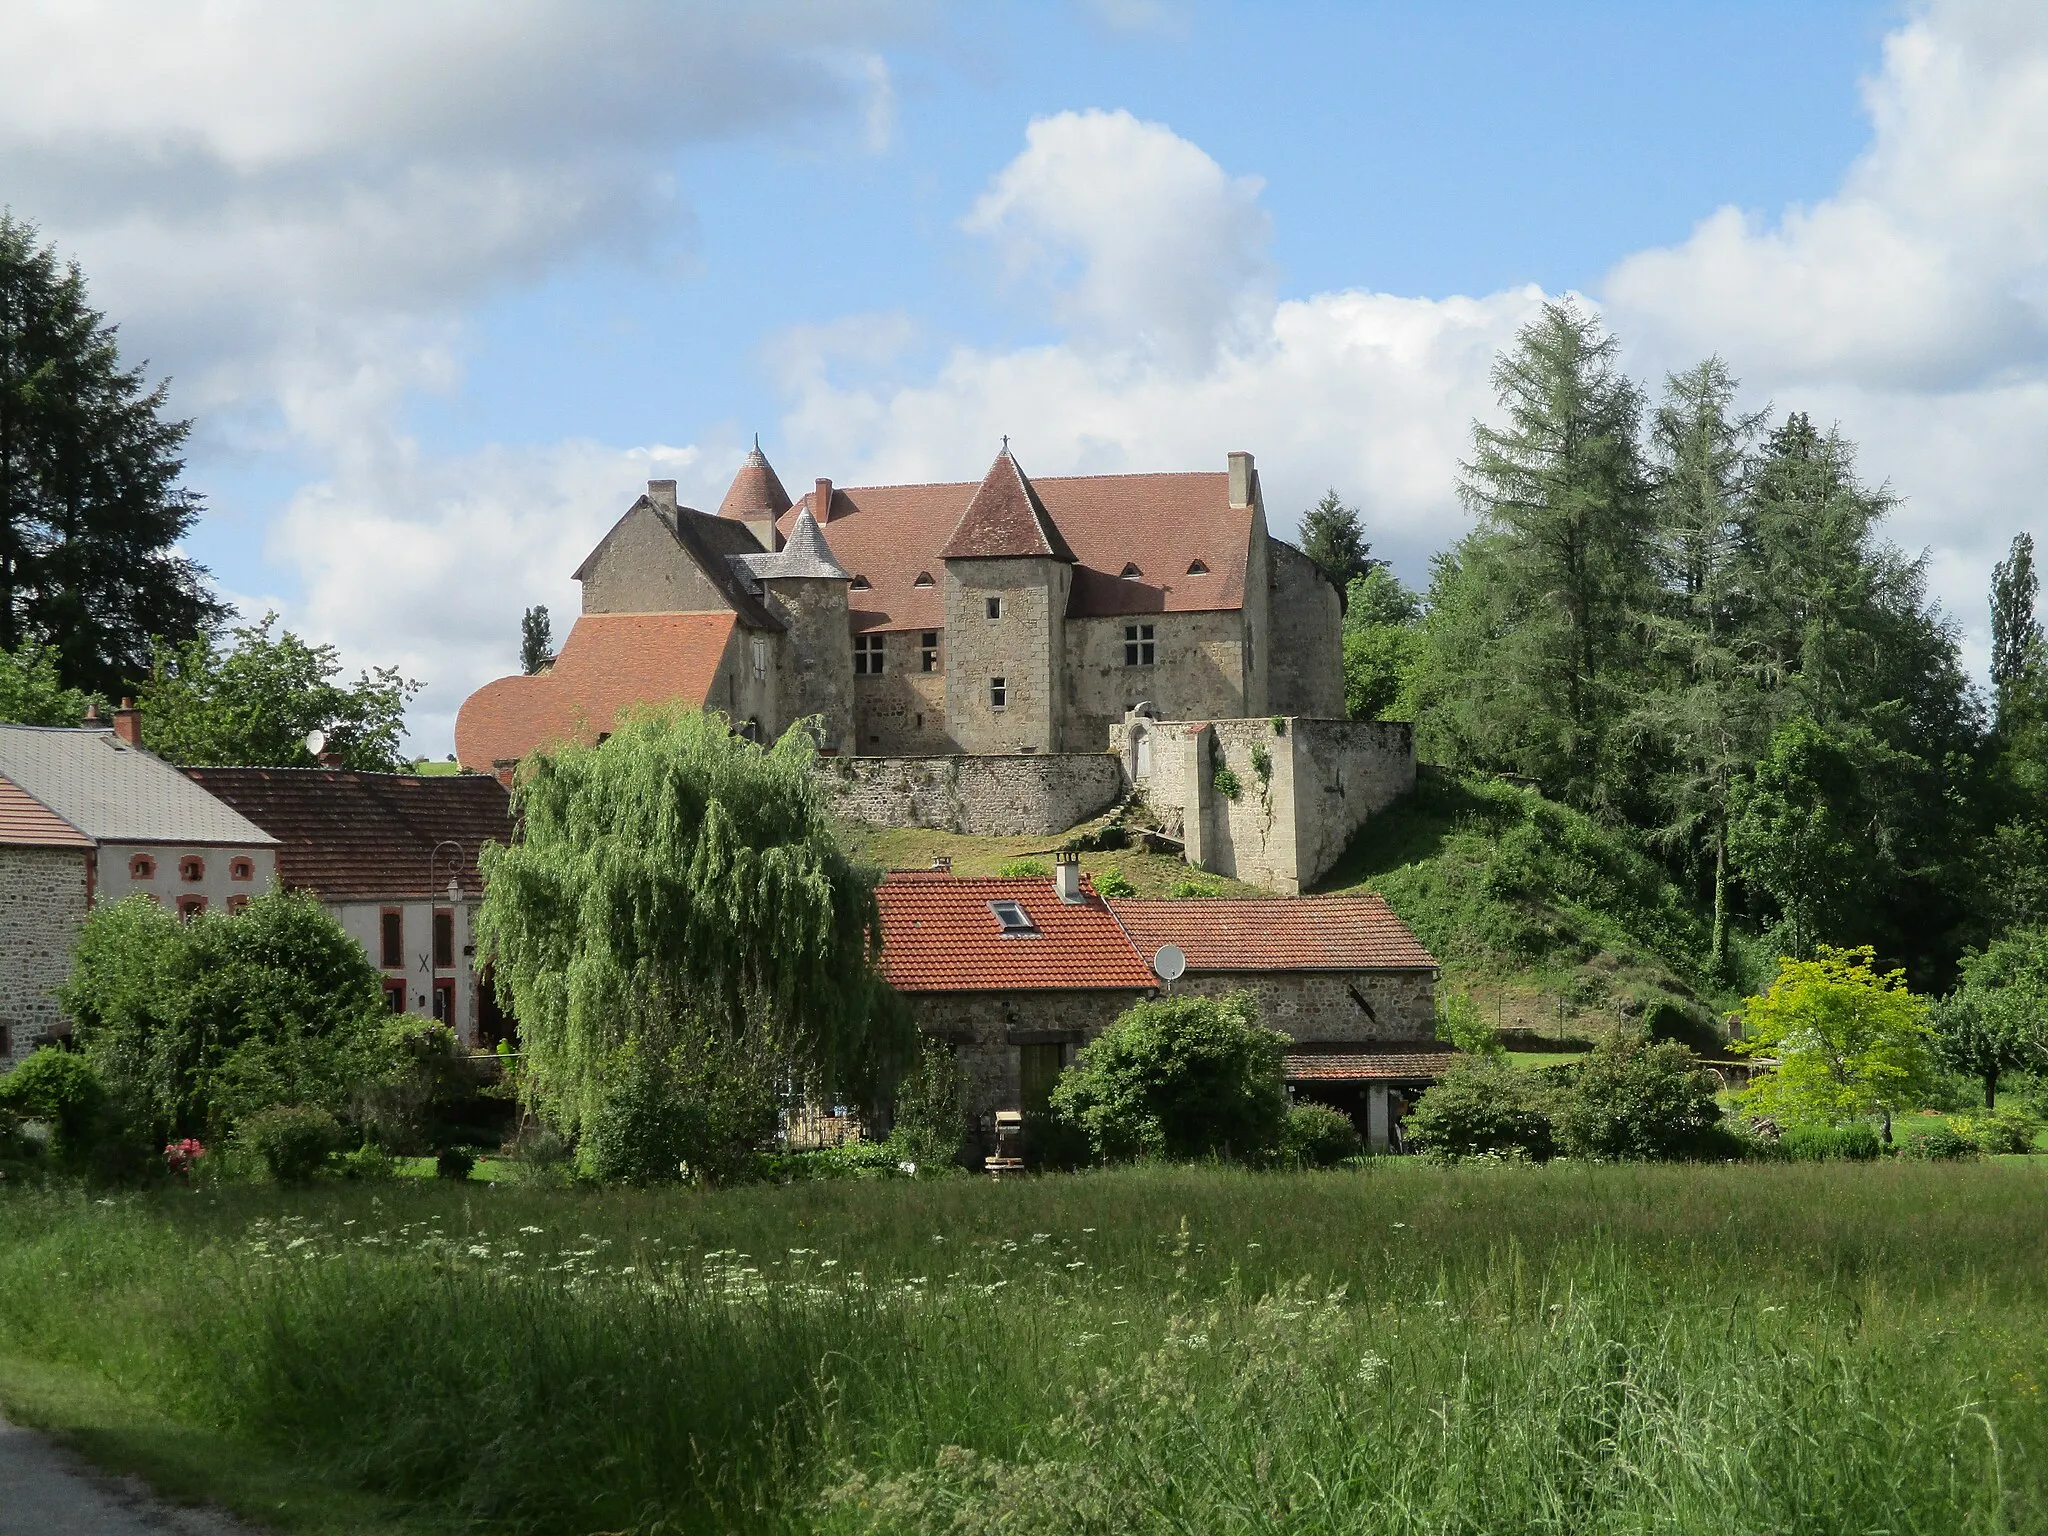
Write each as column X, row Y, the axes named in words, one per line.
column 995, row 607
column 142, row 867
column 859, row 584
column 241, row 869
column 867, row 655
column 1130, row 572
column 1196, row 568
column 928, row 650
column 924, row 579
column 192, row 867
column 998, row 693
column 1138, row 645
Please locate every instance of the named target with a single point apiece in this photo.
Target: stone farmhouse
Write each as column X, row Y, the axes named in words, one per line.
column 1018, row 974
column 87, row 815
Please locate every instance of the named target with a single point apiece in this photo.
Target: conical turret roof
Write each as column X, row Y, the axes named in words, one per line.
column 1005, row 519
column 755, row 491
column 805, row 554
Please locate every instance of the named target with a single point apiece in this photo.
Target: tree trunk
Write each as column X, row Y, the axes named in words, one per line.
column 1991, row 1089
column 1718, row 952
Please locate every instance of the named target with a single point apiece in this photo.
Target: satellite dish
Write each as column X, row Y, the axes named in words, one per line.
column 1169, row 964
column 316, row 742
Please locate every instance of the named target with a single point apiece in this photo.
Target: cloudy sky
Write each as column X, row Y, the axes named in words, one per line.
column 442, row 283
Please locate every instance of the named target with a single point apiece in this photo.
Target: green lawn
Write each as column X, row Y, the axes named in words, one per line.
column 1827, row 1348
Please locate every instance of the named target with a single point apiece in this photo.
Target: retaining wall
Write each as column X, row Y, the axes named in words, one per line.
column 1012, row 795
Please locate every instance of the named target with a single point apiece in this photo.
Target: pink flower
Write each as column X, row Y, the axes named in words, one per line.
column 181, row 1155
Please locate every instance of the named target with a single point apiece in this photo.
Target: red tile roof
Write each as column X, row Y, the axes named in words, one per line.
column 609, row 662
column 368, row 836
column 938, row 935
column 1163, row 524
column 1005, row 520
column 1304, row 933
column 25, row 822
column 756, row 490
column 1365, row 1063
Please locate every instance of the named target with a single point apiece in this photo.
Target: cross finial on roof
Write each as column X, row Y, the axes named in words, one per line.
column 1006, row 442
column 757, row 442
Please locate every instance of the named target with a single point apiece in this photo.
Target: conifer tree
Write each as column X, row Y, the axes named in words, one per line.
column 536, row 640
column 2016, row 644
column 1334, row 538
column 90, row 506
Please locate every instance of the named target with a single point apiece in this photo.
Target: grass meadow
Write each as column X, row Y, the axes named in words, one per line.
column 1570, row 1349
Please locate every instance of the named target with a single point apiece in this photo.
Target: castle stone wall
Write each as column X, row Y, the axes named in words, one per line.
column 901, row 711
column 42, row 906
column 1198, row 671
column 815, row 656
column 1305, row 646
column 1016, row 795
column 1025, row 647
column 640, row 569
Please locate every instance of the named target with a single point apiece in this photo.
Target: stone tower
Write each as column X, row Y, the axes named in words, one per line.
column 806, row 589
column 1008, row 576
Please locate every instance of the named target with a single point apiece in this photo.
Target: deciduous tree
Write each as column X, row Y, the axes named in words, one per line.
column 536, row 640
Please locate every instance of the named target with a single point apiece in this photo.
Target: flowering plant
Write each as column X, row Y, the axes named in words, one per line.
column 181, row 1156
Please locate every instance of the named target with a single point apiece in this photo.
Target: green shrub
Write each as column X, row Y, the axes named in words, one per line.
column 1830, row 1143
column 1483, row 1108
column 1262, row 763
column 454, row 1163
column 293, row 1140
column 1182, row 1077
column 367, row 1162
column 2009, row 1130
column 1227, row 783
column 63, row 1092
column 1459, row 1023
column 1317, row 1136
column 425, row 1083
column 1114, row 882
column 1941, row 1143
column 705, row 1114
column 1024, row 869
column 1192, row 890
column 931, row 1109
column 1632, row 1100
column 848, row 1160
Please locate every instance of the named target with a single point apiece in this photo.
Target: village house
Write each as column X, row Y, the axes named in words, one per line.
column 1017, row 974
column 87, row 815
column 393, row 857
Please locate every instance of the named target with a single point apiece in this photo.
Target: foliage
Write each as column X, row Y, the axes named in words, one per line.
column 415, row 1104
column 1114, row 883
column 91, row 513
column 1192, row 890
column 1482, row 1107
column 931, row 1108
column 1941, row 1142
column 255, row 703
column 1459, row 1023
column 1637, row 1100
column 367, row 1162
column 61, row 1090
column 1024, row 869
column 1317, row 1136
column 1849, row 1041
column 703, row 1113
column 293, row 1140
column 2009, row 1130
column 194, row 1025
column 1997, row 1021
column 2017, row 649
column 454, row 1162
column 1179, row 1077
column 1333, row 536
column 678, row 887
column 1227, row 783
column 32, row 691
column 1382, row 642
column 1855, row 1142
column 536, row 640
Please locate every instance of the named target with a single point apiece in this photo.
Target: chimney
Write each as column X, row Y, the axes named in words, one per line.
column 821, row 503
column 92, row 712
column 1066, row 876
column 1242, row 479
column 943, row 864
column 128, row 723
column 663, row 494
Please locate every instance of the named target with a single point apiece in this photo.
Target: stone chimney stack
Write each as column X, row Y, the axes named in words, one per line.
column 1242, row 479
column 663, row 494
column 1066, row 876
column 822, row 502
column 128, row 723
column 942, row 864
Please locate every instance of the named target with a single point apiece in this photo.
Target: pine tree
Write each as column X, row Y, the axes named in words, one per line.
column 90, row 506
column 536, row 640
column 1333, row 536
column 2016, row 643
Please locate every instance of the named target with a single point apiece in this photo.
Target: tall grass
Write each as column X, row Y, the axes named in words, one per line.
column 1815, row 1348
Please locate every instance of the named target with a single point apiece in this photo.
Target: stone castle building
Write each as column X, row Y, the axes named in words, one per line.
column 1009, row 617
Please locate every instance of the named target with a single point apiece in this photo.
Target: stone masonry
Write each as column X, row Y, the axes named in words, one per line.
column 1021, row 795
column 42, row 907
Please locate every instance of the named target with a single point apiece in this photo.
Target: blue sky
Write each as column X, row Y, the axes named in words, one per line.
column 442, row 285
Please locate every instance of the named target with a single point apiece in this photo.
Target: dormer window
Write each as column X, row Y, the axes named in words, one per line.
column 1130, row 572
column 192, row 868
column 241, row 869
column 142, row 867
column 859, row 584
column 924, row 579
column 1196, row 568
column 1011, row 918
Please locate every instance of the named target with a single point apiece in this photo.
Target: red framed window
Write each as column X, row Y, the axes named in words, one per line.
column 241, row 869
column 394, row 993
column 190, row 907
column 391, row 939
column 237, row 903
column 444, row 940
column 142, row 867
column 192, row 868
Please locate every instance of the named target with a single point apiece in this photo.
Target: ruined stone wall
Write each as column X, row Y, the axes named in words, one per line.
column 901, row 712
column 1016, row 795
column 1197, row 672
column 1025, row 646
column 641, row 569
column 42, row 905
column 1331, row 1007
column 1344, row 772
column 1305, row 645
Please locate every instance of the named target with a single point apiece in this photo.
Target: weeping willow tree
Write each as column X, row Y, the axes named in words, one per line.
column 677, row 891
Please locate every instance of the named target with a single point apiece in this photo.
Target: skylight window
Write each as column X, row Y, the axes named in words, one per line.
column 1012, row 918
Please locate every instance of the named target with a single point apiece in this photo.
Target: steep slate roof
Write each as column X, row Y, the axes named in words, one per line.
column 806, row 554
column 1367, row 1063
column 938, row 935
column 115, row 793
column 756, row 491
column 25, row 822
column 1004, row 519
column 710, row 542
column 1304, row 933
column 1160, row 523
column 610, row 661
column 368, row 836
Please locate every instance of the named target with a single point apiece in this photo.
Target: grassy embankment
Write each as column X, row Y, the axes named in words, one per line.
column 1826, row 1348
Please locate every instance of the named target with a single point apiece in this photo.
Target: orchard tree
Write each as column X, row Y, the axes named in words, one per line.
column 1849, row 1041
column 676, row 890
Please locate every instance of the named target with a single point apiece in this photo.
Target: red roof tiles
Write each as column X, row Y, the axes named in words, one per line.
column 756, row 491
column 1306, row 933
column 1005, row 519
column 610, row 662
column 939, row 935
column 25, row 822
column 1366, row 1063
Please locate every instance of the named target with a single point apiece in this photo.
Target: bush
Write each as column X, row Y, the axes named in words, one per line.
column 455, row 1163
column 1182, row 1077
column 1830, row 1143
column 1113, row 882
column 1459, row 1023
column 293, row 1140
column 1482, row 1108
column 368, row 1162
column 704, row 1114
column 63, row 1092
column 1317, row 1136
column 1227, row 784
column 2007, row 1130
column 1190, row 890
column 1024, row 869
column 1634, row 1100
column 931, row 1109
column 426, row 1082
column 1941, row 1143
column 542, row 1155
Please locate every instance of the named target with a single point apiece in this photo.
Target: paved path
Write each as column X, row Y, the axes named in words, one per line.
column 47, row 1491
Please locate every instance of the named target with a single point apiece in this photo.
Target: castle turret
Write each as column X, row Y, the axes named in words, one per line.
column 806, row 588
column 756, row 498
